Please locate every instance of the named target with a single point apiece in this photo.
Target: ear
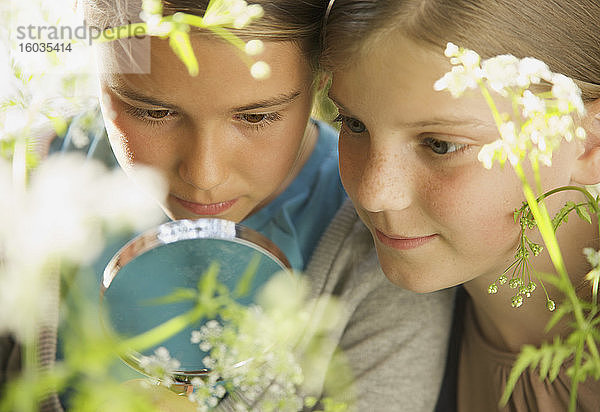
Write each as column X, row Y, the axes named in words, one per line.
column 587, row 167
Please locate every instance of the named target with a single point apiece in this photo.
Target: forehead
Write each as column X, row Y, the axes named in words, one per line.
column 394, row 79
column 224, row 74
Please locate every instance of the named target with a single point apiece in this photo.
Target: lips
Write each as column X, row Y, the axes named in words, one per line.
column 206, row 209
column 403, row 243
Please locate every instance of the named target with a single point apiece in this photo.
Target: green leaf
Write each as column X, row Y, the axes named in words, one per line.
column 516, row 215
column 179, row 295
column 562, row 353
column 545, row 362
column 558, row 314
column 529, row 356
column 583, row 213
column 207, row 284
column 563, row 214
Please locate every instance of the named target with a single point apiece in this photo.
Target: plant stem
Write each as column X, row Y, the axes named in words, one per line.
column 162, row 332
column 490, row 101
column 591, row 200
column 593, row 348
column 544, row 223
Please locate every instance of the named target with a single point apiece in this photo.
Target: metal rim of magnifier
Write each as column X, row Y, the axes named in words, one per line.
column 186, row 229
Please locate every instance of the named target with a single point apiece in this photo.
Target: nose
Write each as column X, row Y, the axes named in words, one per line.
column 385, row 182
column 204, row 161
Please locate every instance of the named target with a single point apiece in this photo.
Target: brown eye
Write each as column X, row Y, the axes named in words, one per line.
column 158, row 114
column 254, row 118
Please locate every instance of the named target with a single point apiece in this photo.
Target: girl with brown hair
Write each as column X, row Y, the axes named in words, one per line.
column 409, row 162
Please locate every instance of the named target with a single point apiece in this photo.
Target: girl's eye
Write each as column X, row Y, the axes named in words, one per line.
column 157, row 114
column 257, row 120
column 253, row 118
column 354, row 125
column 151, row 116
column 442, row 147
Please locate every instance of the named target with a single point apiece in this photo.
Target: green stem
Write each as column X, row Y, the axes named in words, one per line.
column 595, row 293
column 587, row 194
column 490, row 101
column 546, row 230
column 162, row 332
column 593, row 348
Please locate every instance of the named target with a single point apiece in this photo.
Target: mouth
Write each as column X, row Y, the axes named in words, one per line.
column 206, row 209
column 403, row 243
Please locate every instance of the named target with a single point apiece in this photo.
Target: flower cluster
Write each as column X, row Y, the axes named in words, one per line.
column 258, row 355
column 539, row 122
column 219, row 15
column 231, row 13
column 59, row 218
column 160, row 366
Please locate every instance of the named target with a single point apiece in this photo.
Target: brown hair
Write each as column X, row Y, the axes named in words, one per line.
column 299, row 21
column 562, row 33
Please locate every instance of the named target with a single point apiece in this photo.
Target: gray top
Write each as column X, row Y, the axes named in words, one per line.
column 394, row 340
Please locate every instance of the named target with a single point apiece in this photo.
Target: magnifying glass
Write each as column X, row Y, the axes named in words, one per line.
column 174, row 256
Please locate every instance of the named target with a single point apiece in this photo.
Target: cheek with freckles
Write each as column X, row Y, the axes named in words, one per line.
column 475, row 208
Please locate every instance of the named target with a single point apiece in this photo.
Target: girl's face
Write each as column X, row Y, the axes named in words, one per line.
column 408, row 160
column 226, row 143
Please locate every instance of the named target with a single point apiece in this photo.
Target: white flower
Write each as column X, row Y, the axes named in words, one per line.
column 254, row 47
column 532, row 71
column 567, row 93
column 469, row 59
column 160, row 366
column 456, row 81
column 580, row 133
column 532, row 104
column 233, row 13
column 508, row 132
column 451, row 50
column 65, row 214
column 260, row 70
column 538, row 129
column 501, row 72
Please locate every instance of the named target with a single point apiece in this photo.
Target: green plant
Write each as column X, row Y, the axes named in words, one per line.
column 535, row 128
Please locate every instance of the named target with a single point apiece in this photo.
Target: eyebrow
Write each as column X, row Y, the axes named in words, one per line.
column 456, row 122
column 123, row 91
column 284, row 98
column 279, row 100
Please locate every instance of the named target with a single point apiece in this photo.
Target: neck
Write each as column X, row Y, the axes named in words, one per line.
column 509, row 328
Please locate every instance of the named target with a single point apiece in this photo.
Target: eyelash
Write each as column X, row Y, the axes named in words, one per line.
column 343, row 120
column 268, row 119
column 460, row 147
column 142, row 114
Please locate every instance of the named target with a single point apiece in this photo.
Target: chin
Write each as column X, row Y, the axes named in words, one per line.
column 415, row 281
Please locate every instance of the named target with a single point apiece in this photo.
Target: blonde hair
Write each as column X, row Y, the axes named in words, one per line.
column 562, row 33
